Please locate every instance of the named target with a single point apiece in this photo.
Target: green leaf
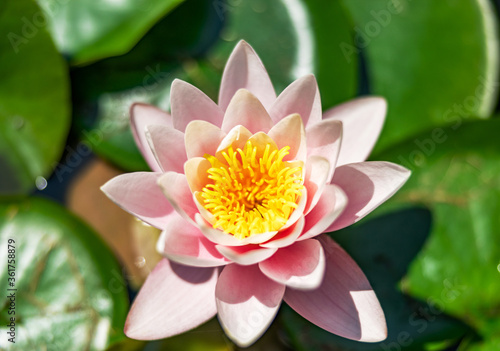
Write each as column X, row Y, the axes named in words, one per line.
column 69, row 294
column 293, row 38
column 384, row 247
column 434, row 61
column 34, row 100
column 89, row 30
column 487, row 345
column 455, row 174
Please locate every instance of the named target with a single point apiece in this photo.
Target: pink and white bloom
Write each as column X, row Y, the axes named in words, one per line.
column 242, row 191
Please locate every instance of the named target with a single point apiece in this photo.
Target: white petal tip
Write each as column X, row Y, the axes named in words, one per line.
column 372, row 338
column 376, row 334
column 240, row 342
column 243, row 43
column 177, row 81
column 371, row 316
column 135, row 334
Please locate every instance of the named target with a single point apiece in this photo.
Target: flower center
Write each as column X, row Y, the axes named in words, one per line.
column 253, row 190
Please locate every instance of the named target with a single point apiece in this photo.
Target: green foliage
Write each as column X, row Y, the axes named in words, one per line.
column 70, row 293
column 34, row 98
column 434, row 61
column 88, row 30
column 488, row 345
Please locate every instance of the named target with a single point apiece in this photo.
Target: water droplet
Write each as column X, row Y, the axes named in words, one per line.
column 41, row 182
column 140, row 261
column 17, row 122
column 144, row 224
column 498, row 267
column 228, row 35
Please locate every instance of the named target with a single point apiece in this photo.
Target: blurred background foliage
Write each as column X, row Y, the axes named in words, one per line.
column 70, row 69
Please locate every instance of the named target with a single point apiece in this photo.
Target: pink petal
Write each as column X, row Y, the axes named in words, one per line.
column 244, row 70
column 287, row 236
column 317, row 170
column 345, row 303
column 329, row 207
column 324, row 139
column 246, row 110
column 219, row 237
column 290, row 132
column 246, row 255
column 302, row 97
column 176, row 190
column 183, row 243
column 173, row 299
column 167, row 145
column 202, row 138
column 188, row 103
column 247, row 302
column 139, row 194
column 367, row 185
column 142, row 115
column 195, row 170
column 300, row 266
column 362, row 119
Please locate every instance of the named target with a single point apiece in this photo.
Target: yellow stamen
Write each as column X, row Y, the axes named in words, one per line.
column 252, row 192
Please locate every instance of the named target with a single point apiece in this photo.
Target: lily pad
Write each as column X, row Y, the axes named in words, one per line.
column 455, row 174
column 436, row 62
column 384, row 247
column 293, row 38
column 89, row 30
column 34, row 99
column 68, row 288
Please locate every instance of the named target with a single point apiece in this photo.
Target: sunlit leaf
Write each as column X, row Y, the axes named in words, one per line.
column 434, row 61
column 69, row 294
column 88, row 30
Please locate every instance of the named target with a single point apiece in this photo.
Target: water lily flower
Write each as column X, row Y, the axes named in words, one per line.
column 243, row 191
